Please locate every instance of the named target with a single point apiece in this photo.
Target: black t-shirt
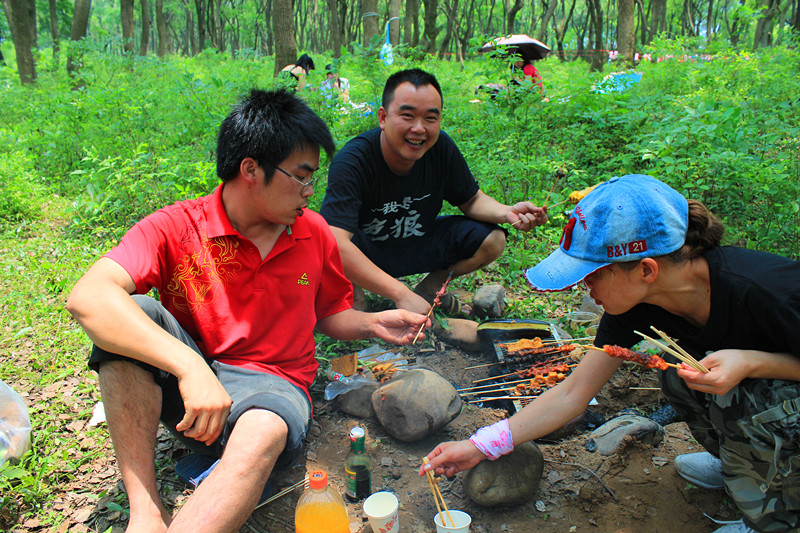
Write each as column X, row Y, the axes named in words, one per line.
column 755, row 305
column 363, row 194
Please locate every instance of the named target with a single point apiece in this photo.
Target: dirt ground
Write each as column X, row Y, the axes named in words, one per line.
column 637, row 490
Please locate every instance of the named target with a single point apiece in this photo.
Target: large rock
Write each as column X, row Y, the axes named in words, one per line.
column 620, row 431
column 458, row 332
column 489, row 301
column 358, row 402
column 416, row 405
column 510, row 480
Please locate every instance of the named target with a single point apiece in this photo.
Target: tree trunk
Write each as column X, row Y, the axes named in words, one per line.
column 709, row 21
column 20, row 23
column 561, row 30
column 512, row 14
column 431, row 31
column 626, row 38
column 411, row 23
column 219, row 27
column 126, row 18
column 369, row 19
column 763, row 33
column 77, row 32
column 658, row 21
column 336, row 32
column 145, row 42
column 54, row 32
column 200, row 8
column 596, row 13
column 548, row 14
column 283, row 30
column 161, row 29
column 688, row 26
column 394, row 25
column 451, row 13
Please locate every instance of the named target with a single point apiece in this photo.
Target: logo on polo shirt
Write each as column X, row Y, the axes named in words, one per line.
column 303, row 280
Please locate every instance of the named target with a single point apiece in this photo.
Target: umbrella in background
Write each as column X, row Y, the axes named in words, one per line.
column 529, row 48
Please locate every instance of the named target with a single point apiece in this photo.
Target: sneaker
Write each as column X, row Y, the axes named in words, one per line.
column 702, row 469
column 734, row 527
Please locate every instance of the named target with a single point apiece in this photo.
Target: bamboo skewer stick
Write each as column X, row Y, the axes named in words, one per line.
column 512, row 362
column 684, row 352
column 559, row 203
column 437, row 494
column 370, row 356
column 435, row 303
column 285, row 491
column 691, row 362
column 489, row 399
column 555, row 182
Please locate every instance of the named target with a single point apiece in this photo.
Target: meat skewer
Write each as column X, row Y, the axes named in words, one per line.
column 650, row 361
column 436, row 302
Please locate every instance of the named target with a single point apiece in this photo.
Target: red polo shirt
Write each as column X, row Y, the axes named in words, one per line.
column 239, row 309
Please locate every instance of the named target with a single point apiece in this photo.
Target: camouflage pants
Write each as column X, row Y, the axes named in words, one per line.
column 755, row 431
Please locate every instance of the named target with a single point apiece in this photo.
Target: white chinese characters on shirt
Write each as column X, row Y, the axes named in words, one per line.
column 400, row 220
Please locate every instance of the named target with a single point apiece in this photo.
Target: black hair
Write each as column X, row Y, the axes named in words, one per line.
column 268, row 126
column 704, row 232
column 415, row 76
column 305, row 62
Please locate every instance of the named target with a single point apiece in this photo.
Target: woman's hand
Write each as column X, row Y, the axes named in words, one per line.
column 449, row 458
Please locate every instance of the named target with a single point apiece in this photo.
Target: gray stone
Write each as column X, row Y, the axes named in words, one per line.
column 510, row 480
column 416, row 405
column 489, row 301
column 615, row 434
column 588, row 304
column 458, row 332
column 358, row 402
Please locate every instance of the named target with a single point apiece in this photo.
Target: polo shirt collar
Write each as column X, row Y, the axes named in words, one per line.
column 218, row 223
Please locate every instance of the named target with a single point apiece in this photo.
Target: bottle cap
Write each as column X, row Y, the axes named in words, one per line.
column 317, row 479
column 357, row 432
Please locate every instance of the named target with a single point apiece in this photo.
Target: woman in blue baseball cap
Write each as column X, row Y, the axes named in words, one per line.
column 652, row 258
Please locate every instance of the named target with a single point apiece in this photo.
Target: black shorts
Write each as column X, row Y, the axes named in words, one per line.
column 249, row 389
column 453, row 238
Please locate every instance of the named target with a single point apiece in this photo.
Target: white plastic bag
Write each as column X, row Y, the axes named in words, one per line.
column 15, row 425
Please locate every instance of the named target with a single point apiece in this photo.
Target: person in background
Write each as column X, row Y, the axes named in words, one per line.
column 652, row 258
column 299, row 70
column 226, row 357
column 529, row 72
column 386, row 188
column 334, row 86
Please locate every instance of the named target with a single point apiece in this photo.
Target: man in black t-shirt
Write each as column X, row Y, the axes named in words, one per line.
column 386, row 188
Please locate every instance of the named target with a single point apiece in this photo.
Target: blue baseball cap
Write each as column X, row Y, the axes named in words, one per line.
column 624, row 219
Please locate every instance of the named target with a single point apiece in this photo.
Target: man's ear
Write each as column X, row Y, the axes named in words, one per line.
column 649, row 269
column 382, row 117
column 248, row 169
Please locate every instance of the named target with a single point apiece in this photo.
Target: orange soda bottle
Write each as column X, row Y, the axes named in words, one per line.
column 320, row 509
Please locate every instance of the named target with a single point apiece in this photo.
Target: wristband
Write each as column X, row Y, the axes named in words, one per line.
column 495, row 440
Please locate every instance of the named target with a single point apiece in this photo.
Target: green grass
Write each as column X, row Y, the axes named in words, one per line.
column 79, row 167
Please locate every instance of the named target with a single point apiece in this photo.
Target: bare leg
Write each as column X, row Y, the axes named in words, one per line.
column 132, row 402
column 227, row 497
column 489, row 250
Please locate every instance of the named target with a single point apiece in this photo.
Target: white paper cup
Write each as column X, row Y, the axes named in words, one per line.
column 382, row 510
column 460, row 523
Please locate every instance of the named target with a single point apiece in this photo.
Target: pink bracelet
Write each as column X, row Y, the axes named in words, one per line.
column 495, row 440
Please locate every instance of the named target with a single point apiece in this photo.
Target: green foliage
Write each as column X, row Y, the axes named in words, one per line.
column 78, row 166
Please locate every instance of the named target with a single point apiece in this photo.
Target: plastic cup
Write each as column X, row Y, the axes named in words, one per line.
column 382, row 510
column 460, row 523
column 581, row 318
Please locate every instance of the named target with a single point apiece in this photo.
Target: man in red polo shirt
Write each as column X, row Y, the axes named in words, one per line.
column 226, row 357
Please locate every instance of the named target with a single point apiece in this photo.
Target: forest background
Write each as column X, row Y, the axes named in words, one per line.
column 112, row 118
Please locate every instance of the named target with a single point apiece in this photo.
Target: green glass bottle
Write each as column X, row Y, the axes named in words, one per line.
column 358, row 467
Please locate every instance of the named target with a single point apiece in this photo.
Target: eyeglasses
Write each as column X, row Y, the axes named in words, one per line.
column 305, row 184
